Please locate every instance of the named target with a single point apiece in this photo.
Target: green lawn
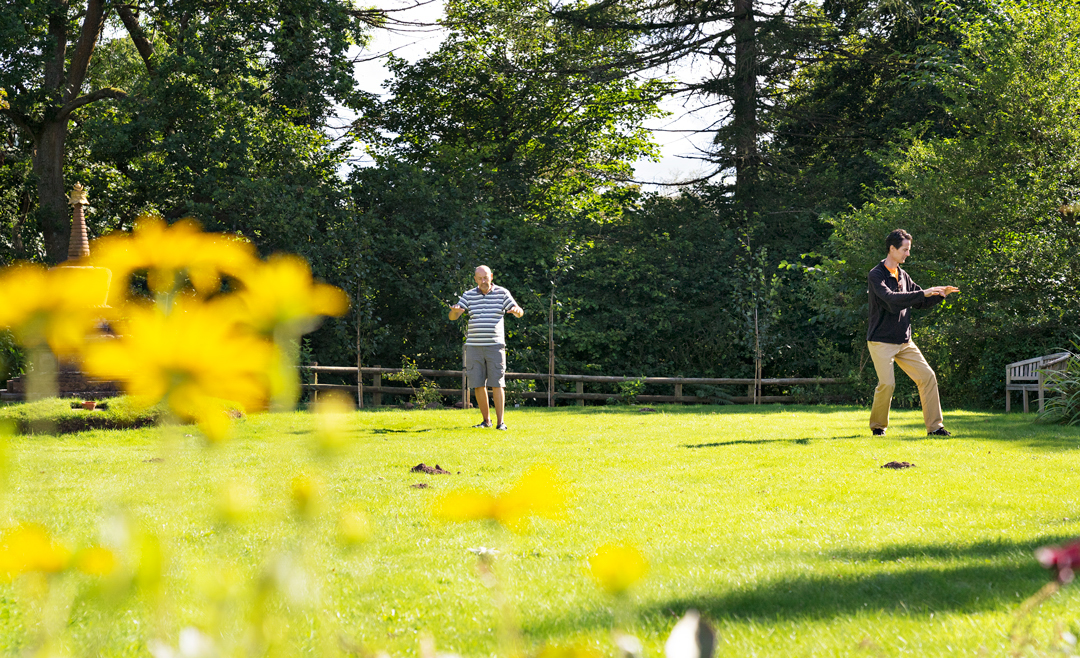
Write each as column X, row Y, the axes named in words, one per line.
column 776, row 522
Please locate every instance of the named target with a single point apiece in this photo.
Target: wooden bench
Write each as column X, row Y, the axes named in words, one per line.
column 1030, row 375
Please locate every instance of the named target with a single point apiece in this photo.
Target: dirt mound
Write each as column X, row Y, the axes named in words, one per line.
column 647, row 410
column 430, row 470
column 898, row 465
column 420, row 485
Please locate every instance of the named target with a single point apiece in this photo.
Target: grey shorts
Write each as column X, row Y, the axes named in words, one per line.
column 485, row 365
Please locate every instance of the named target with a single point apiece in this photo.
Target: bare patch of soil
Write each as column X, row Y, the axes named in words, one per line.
column 430, row 470
column 898, row 465
column 420, row 485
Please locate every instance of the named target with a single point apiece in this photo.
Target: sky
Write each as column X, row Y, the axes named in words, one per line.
column 674, row 133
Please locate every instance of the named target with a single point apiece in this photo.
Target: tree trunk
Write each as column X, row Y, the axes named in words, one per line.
column 48, row 162
column 744, row 102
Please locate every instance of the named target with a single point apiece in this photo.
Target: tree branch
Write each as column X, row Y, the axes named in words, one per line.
column 107, row 92
column 138, row 37
column 18, row 119
column 84, row 48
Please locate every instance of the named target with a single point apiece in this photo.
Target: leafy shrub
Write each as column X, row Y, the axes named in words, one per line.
column 1064, row 405
column 425, row 393
column 515, row 388
column 56, row 416
column 630, row 389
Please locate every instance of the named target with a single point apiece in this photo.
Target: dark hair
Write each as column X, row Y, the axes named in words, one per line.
column 896, row 239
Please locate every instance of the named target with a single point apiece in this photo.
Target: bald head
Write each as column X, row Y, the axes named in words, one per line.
column 483, row 278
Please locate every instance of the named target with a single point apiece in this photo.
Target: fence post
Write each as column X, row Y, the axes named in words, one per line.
column 315, row 393
column 359, row 381
column 580, row 389
column 376, row 397
column 464, row 381
column 678, row 393
column 551, row 351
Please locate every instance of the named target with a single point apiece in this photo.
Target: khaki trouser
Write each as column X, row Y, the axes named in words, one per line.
column 911, row 361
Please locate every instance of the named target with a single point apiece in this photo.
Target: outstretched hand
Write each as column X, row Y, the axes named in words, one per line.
column 940, row 291
column 517, row 311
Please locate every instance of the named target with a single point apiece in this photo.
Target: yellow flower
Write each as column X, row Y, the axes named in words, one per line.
column 354, row 527
column 195, row 358
column 538, row 493
column 237, row 501
column 57, row 307
column 28, row 548
column 573, row 651
column 617, row 567
column 165, row 251
column 95, row 561
column 306, row 490
column 279, row 294
column 332, row 414
column 465, row 505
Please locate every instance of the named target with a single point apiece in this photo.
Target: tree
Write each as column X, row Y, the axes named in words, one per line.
column 288, row 56
column 487, row 148
column 750, row 48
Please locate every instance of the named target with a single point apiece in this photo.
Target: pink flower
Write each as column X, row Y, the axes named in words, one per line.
column 1063, row 559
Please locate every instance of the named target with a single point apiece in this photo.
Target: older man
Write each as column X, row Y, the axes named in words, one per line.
column 892, row 295
column 485, row 345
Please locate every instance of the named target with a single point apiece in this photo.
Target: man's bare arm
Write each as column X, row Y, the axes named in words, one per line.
column 455, row 312
column 516, row 311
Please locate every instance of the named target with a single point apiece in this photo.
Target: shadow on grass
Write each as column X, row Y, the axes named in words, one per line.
column 989, row 549
column 739, row 442
column 918, row 589
column 966, row 589
column 383, row 430
column 1015, row 428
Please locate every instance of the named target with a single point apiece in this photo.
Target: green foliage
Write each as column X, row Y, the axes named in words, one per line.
column 985, row 206
column 864, row 92
column 12, row 358
column 630, row 389
column 224, row 120
column 515, row 388
column 485, row 156
column 425, row 392
column 59, row 416
column 1063, row 405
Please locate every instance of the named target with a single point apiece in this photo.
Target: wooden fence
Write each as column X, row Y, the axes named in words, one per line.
column 377, row 390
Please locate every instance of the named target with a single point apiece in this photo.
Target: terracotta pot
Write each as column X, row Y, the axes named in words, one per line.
column 89, row 405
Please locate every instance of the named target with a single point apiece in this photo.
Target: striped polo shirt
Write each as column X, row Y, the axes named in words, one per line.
column 486, row 314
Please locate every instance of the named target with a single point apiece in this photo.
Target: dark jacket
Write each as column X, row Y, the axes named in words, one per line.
column 890, row 304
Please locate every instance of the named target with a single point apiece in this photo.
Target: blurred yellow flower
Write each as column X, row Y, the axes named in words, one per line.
column 28, row 548
column 166, row 251
column 237, row 501
column 56, row 307
column 195, row 358
column 95, row 561
column 465, row 505
column 332, row 414
column 538, row 493
column 616, row 567
column 306, row 491
column 280, row 295
column 573, row 651
column 354, row 527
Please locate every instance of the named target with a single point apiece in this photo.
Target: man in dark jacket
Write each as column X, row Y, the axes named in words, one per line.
column 892, row 296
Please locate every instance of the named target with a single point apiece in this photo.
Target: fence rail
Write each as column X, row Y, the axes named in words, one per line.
column 376, row 389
